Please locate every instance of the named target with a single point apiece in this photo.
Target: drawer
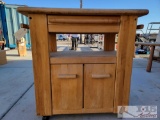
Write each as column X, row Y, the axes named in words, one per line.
column 66, row 87
column 99, row 80
column 83, row 24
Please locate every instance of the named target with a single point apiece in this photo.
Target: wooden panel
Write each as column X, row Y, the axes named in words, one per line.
column 80, row 60
column 3, row 59
column 83, row 110
column 126, row 41
column 52, row 42
column 76, row 12
column 83, row 57
column 67, row 93
column 99, row 92
column 57, row 112
column 109, row 41
column 83, row 54
column 83, row 28
column 84, row 19
column 41, row 67
column 83, row 24
column 98, row 110
column 21, row 47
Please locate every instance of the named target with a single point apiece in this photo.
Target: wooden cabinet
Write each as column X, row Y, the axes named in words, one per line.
column 82, row 88
column 83, row 82
column 91, row 82
column 99, row 81
column 67, row 85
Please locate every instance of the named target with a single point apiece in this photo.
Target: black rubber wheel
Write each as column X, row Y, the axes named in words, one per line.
column 45, row 118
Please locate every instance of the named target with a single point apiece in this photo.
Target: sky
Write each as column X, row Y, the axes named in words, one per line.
column 152, row 5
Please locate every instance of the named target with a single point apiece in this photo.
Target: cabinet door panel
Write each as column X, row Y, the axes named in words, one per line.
column 67, row 86
column 99, row 82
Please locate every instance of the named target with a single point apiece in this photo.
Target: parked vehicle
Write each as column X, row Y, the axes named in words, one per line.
column 62, row 37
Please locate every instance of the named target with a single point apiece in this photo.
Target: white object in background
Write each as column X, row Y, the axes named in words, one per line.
column 20, row 33
column 6, row 48
column 157, row 48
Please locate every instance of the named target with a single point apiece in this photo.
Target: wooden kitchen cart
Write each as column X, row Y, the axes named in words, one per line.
column 81, row 82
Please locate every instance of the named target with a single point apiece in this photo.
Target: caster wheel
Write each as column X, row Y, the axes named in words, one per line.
column 45, row 118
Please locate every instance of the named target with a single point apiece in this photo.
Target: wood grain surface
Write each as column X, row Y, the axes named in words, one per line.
column 99, row 92
column 109, row 41
column 77, row 12
column 126, row 41
column 41, row 65
column 67, row 92
column 83, row 57
column 63, row 81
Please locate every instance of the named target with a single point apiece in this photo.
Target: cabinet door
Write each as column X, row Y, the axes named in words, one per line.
column 99, row 82
column 66, row 87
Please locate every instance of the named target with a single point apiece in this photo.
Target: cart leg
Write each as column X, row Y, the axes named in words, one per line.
column 45, row 118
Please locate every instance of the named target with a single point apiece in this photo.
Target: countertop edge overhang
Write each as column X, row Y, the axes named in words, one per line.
column 85, row 12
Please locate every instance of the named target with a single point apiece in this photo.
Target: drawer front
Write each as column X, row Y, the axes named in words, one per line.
column 83, row 24
column 99, row 80
column 66, row 87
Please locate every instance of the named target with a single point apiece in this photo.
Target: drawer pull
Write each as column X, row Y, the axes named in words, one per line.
column 101, row 76
column 67, row 76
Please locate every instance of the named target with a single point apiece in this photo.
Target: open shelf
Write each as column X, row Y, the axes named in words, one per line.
column 83, row 57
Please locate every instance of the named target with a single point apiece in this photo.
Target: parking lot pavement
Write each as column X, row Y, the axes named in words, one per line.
column 16, row 77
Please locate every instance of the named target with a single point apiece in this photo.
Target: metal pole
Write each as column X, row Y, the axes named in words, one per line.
column 81, row 4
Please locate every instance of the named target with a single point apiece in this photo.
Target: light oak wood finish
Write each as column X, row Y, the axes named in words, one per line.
column 41, row 65
column 101, row 76
column 83, row 57
column 67, row 91
column 83, row 111
column 83, row 24
column 126, row 40
column 86, row 12
column 3, row 59
column 100, row 110
column 83, row 28
column 98, row 91
column 65, row 76
column 84, row 19
column 52, row 42
column 109, row 41
column 73, row 90
column 21, row 47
